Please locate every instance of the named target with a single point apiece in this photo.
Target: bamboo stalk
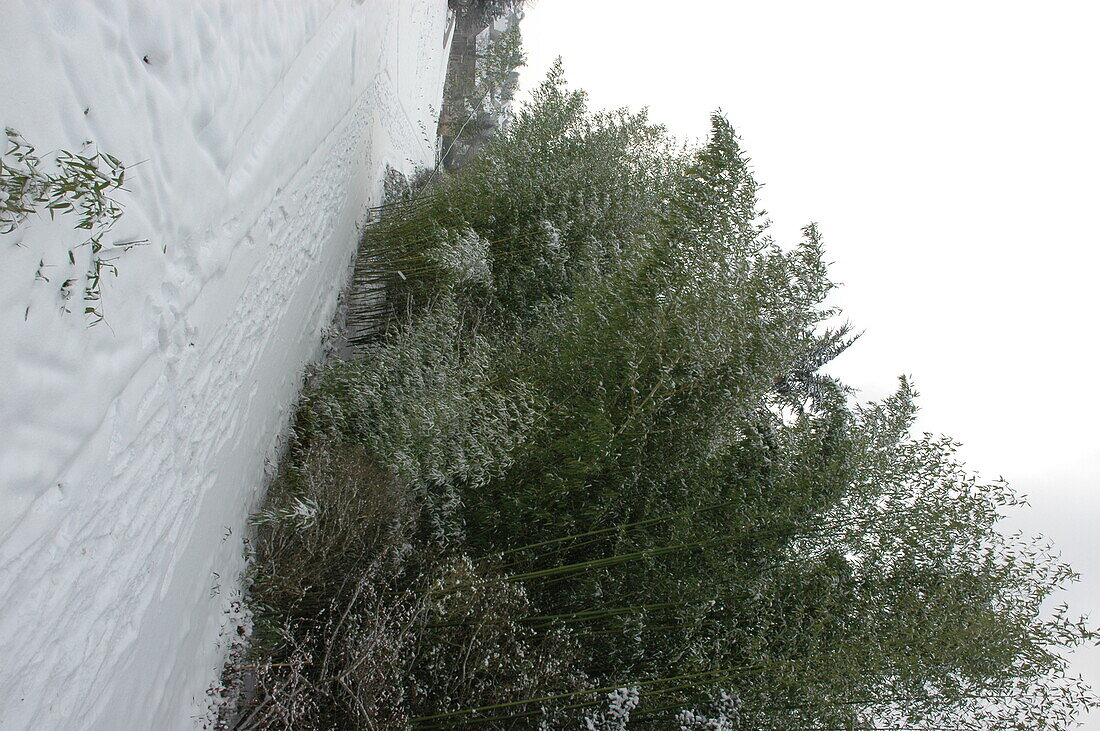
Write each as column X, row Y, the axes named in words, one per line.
column 721, row 673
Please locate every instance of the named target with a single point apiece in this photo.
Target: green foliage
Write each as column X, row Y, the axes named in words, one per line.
column 662, row 372
column 903, row 603
column 601, row 380
column 544, row 224
column 429, row 406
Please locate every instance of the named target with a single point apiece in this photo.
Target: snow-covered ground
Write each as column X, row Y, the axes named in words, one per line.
column 131, row 452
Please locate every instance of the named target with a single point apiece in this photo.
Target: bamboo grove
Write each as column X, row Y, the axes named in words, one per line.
column 585, row 446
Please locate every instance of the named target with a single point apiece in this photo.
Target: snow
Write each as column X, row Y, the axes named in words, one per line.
column 255, row 135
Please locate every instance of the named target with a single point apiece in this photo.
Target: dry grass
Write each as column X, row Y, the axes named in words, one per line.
column 336, row 609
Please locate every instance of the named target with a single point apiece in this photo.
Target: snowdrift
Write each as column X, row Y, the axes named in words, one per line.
column 131, row 452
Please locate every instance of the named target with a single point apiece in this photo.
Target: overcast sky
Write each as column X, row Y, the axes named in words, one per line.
column 950, row 152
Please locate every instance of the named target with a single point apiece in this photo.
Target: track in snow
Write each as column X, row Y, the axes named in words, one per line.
column 131, row 453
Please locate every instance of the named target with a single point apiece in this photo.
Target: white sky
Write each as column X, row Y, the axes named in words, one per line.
column 950, row 152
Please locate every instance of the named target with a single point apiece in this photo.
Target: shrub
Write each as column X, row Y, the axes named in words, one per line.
column 429, row 405
column 332, row 589
column 479, row 662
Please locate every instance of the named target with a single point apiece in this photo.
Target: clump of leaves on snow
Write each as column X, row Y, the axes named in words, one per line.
column 79, row 185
